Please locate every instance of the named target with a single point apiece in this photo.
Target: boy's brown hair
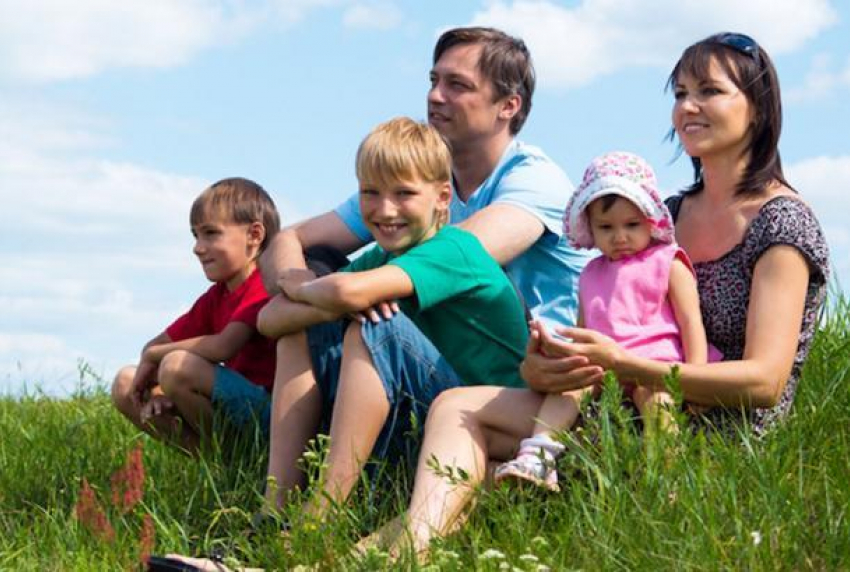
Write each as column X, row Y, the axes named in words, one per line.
column 239, row 201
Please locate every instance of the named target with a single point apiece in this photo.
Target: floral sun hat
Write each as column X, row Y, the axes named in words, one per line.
column 623, row 174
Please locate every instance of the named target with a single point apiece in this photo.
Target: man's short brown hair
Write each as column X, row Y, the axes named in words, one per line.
column 505, row 61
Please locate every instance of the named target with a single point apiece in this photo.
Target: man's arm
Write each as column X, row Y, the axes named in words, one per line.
column 506, row 231
column 286, row 250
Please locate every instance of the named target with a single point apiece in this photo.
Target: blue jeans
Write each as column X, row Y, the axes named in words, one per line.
column 411, row 369
column 240, row 402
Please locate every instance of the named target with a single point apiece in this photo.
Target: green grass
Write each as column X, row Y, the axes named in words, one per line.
column 775, row 503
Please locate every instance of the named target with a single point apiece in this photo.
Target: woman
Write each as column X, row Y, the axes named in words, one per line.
column 761, row 264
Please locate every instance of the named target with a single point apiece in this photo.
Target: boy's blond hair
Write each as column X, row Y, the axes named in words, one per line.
column 239, row 201
column 402, row 149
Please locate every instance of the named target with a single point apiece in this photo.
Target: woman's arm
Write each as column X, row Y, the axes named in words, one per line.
column 684, row 299
column 774, row 316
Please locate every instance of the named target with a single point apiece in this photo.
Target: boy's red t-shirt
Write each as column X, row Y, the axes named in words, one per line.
column 216, row 308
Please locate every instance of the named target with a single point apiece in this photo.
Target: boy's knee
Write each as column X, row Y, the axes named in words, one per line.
column 174, row 370
column 122, row 386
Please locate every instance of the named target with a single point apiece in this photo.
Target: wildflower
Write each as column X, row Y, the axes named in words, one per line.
column 146, row 539
column 529, row 558
column 756, row 536
column 91, row 514
column 491, row 554
column 128, row 482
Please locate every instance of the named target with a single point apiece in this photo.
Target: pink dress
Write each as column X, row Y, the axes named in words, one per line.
column 626, row 299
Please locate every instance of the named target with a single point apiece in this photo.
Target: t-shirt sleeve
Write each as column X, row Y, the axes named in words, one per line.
column 247, row 314
column 196, row 322
column 440, row 269
column 374, row 257
column 539, row 187
column 788, row 221
column 349, row 212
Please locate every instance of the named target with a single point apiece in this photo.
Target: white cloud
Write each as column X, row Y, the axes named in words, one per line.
column 35, row 362
column 823, row 180
column 573, row 46
column 43, row 40
column 822, row 80
column 378, row 15
column 823, row 183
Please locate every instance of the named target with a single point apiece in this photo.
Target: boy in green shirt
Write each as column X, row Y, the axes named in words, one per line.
column 444, row 282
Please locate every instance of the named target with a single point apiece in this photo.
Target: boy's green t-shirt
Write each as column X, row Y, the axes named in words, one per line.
column 464, row 303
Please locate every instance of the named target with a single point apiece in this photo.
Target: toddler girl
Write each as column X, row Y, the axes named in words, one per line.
column 641, row 292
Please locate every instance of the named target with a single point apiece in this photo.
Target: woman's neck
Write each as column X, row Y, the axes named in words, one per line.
column 722, row 175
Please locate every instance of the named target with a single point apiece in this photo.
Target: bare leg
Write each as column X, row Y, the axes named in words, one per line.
column 360, row 410
column 295, row 415
column 168, row 426
column 465, row 428
column 559, row 411
column 654, row 407
column 187, row 380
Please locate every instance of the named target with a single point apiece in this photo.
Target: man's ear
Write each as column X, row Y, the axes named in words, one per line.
column 510, row 107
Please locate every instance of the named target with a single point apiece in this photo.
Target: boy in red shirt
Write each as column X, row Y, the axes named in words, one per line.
column 212, row 357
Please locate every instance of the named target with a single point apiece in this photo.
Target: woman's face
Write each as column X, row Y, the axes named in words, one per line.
column 711, row 116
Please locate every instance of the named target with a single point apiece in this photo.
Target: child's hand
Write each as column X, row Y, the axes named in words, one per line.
column 385, row 310
column 291, row 279
column 143, row 380
column 156, row 406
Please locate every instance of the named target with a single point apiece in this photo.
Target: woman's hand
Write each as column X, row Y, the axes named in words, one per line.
column 598, row 348
column 550, row 366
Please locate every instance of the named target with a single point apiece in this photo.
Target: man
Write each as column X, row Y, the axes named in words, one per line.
column 509, row 195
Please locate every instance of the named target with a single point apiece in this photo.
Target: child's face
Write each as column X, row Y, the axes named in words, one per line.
column 227, row 250
column 401, row 214
column 620, row 231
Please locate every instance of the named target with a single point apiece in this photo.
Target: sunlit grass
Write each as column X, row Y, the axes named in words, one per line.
column 684, row 503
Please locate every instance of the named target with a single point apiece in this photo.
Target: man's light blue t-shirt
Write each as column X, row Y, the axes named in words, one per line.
column 547, row 273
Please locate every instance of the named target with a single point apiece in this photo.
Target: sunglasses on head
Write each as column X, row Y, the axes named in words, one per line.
column 738, row 42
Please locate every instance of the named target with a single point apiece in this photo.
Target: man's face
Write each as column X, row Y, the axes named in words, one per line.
column 461, row 100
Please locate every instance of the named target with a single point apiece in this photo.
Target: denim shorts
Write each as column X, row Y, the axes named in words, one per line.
column 412, row 371
column 239, row 402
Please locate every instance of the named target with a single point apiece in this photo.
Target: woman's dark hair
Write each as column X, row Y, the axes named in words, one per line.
column 751, row 70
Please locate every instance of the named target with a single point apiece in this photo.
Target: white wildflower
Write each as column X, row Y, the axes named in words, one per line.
column 491, row 554
column 756, row 536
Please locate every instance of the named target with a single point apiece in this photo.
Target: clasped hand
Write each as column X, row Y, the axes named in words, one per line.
column 573, row 359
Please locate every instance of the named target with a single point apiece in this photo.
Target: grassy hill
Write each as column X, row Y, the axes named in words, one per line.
column 689, row 503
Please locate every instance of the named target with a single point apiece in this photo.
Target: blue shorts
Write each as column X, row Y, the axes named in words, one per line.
column 412, row 371
column 239, row 402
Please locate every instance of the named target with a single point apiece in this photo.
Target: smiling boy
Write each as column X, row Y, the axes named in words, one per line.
column 211, row 359
column 445, row 283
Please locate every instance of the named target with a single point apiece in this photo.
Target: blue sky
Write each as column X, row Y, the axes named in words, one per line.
column 115, row 115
